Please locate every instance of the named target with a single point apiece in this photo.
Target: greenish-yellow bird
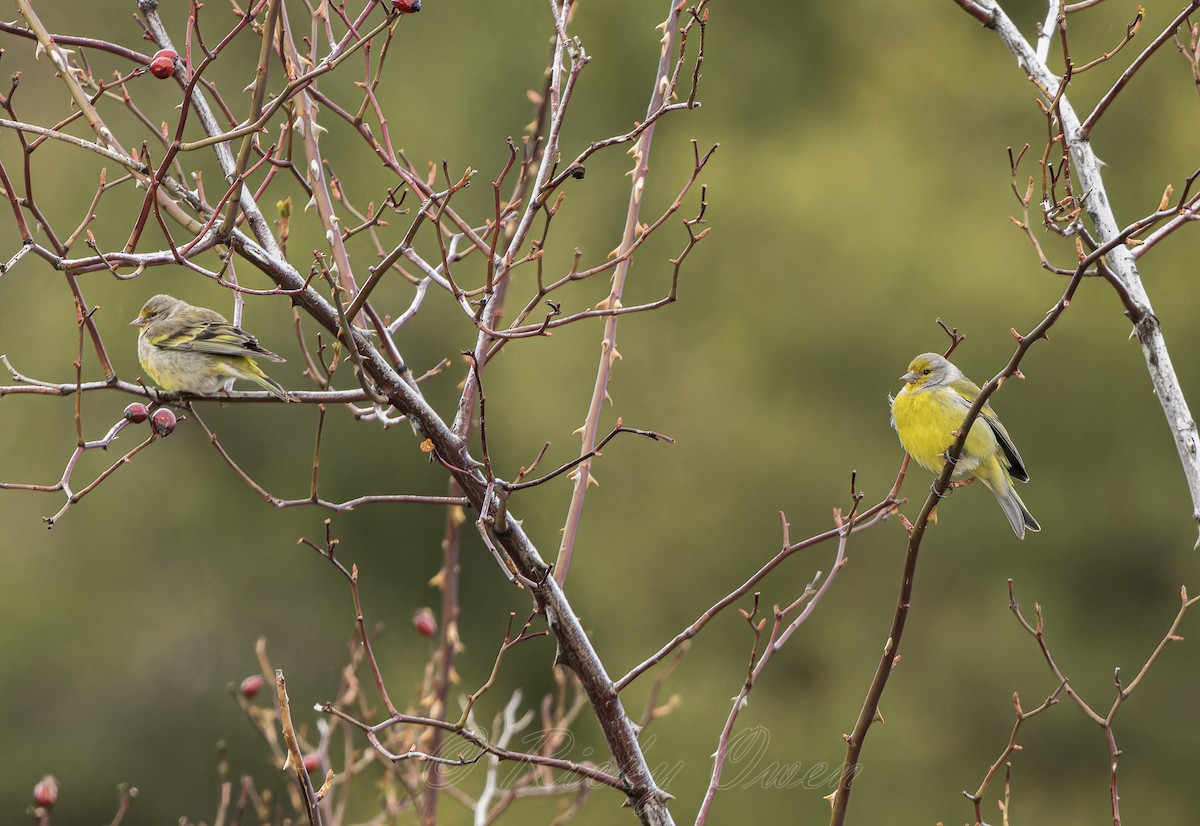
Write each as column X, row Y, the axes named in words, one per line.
column 927, row 412
column 195, row 350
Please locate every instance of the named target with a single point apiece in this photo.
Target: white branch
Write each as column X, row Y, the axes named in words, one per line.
column 1086, row 167
column 1043, row 38
column 507, row 725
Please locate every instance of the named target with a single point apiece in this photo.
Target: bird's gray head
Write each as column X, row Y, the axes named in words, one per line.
column 156, row 308
column 930, row 370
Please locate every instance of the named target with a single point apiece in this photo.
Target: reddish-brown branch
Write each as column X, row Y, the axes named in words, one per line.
column 1166, row 34
column 1123, row 692
column 372, row 731
column 976, row 797
column 868, row 518
column 248, row 178
column 868, row 714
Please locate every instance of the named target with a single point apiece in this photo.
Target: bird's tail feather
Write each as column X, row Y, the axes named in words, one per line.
column 256, row 375
column 1018, row 515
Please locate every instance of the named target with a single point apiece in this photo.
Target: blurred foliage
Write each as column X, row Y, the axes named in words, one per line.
column 861, row 191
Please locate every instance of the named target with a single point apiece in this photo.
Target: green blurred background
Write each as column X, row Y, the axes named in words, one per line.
column 860, row 191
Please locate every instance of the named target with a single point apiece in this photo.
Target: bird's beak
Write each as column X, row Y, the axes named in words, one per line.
column 909, row 378
column 137, row 322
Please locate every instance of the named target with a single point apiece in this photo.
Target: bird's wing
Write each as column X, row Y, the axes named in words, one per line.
column 966, row 392
column 220, row 339
column 1016, row 466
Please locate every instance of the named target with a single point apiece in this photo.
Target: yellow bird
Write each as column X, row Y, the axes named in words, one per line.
column 927, row 412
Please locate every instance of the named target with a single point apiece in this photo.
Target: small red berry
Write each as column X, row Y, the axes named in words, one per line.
column 137, row 413
column 252, row 685
column 312, row 762
column 163, row 422
column 407, row 6
column 46, row 792
column 425, row 624
column 162, row 65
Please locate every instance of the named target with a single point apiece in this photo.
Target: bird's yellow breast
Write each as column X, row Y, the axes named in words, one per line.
column 926, row 422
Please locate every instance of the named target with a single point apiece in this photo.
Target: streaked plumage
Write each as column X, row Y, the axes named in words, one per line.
column 931, row 405
column 195, row 350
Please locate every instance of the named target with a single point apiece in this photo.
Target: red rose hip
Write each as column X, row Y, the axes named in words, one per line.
column 163, row 422
column 252, row 685
column 137, row 413
column 162, row 65
column 46, row 792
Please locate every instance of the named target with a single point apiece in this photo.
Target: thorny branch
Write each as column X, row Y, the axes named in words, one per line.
column 609, row 354
column 916, row 531
column 1107, row 253
column 1119, row 259
column 1012, row 746
column 786, row 621
column 1105, row 721
column 275, row 142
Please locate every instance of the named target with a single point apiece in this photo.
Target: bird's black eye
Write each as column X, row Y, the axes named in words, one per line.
column 926, row 371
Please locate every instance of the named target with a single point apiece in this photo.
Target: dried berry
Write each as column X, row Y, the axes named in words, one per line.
column 163, row 422
column 162, row 65
column 46, row 792
column 425, row 624
column 137, row 413
column 406, row 6
column 252, row 685
column 312, row 762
